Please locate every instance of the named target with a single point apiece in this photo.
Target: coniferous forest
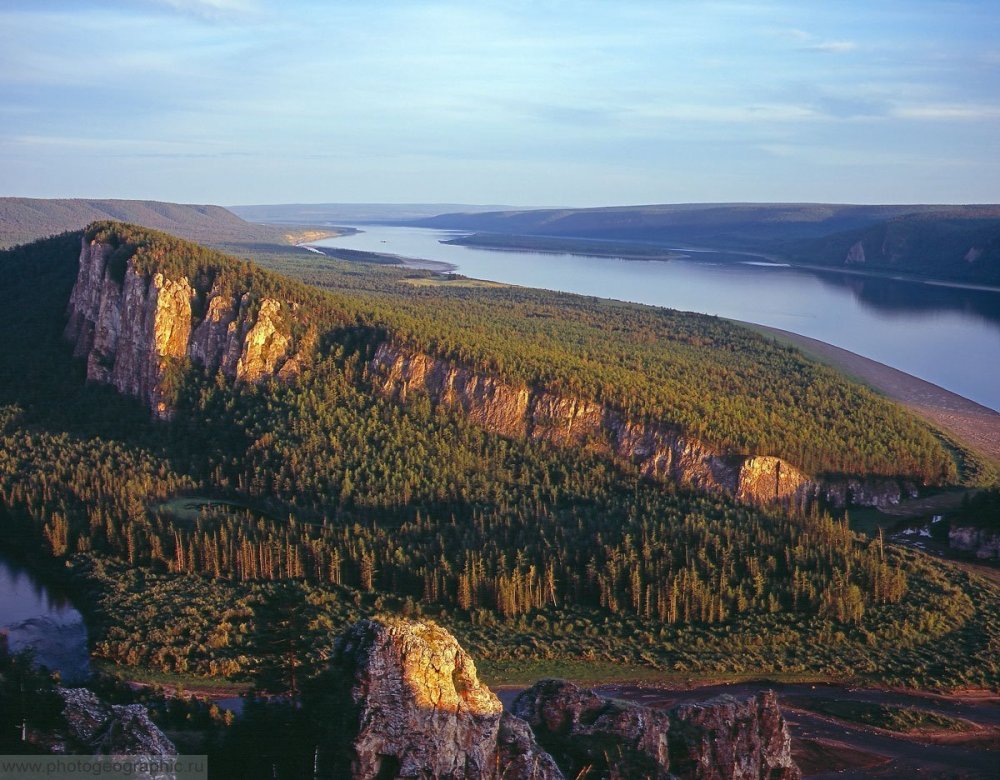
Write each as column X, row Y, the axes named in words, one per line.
column 235, row 540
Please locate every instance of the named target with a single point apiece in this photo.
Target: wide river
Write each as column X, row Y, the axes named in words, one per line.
column 947, row 335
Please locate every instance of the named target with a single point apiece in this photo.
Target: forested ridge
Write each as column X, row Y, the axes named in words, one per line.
column 23, row 220
column 287, row 509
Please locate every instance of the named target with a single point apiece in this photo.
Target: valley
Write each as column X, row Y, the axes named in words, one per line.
column 499, row 391
column 230, row 467
column 937, row 333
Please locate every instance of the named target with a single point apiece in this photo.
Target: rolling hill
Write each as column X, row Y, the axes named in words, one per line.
column 26, row 219
column 956, row 243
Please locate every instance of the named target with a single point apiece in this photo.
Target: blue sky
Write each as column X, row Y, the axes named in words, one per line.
column 524, row 102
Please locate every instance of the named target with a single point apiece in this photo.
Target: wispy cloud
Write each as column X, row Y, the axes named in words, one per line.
column 947, row 112
column 746, row 114
column 211, row 9
column 831, row 47
column 808, row 41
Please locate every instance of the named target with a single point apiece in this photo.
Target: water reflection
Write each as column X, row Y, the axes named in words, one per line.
column 949, row 336
column 41, row 617
column 891, row 296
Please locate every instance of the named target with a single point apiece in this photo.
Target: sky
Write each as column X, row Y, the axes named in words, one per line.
column 520, row 102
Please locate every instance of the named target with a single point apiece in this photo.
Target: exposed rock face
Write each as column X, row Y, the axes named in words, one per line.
column 871, row 491
column 616, row 740
column 981, row 542
column 721, row 738
column 415, row 708
column 734, row 738
column 659, row 451
column 856, row 254
column 410, row 705
column 112, row 729
column 130, row 332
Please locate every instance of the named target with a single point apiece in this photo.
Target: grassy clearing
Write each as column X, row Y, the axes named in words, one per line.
column 191, row 682
column 187, row 509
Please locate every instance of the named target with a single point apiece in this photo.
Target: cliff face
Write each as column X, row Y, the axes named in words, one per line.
column 659, row 451
column 111, row 729
column 131, row 331
column 615, row 739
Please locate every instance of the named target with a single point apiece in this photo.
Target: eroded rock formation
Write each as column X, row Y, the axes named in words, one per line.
column 112, row 729
column 982, row 542
column 660, row 451
column 721, row 738
column 727, row 737
column 409, row 704
column 413, row 706
column 133, row 330
column 615, row 739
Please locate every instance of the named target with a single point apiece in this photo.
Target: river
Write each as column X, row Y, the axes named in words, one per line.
column 40, row 616
column 946, row 335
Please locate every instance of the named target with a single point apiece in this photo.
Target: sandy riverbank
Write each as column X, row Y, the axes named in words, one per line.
column 972, row 424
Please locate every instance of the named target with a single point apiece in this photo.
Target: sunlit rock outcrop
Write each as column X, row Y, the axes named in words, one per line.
column 404, row 700
column 659, row 451
column 132, row 332
column 413, row 706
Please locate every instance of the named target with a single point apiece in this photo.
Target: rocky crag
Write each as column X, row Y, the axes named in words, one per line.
column 111, row 729
column 411, row 705
column 982, row 542
column 132, row 330
column 724, row 737
column 660, row 451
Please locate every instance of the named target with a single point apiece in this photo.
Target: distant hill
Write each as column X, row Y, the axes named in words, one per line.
column 729, row 225
column 338, row 213
column 958, row 243
column 27, row 219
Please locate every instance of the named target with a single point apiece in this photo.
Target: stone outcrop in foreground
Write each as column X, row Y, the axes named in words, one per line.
column 412, row 706
column 131, row 330
column 659, row 451
column 724, row 737
column 112, row 729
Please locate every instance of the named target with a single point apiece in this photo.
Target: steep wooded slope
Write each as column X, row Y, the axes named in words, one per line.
column 144, row 305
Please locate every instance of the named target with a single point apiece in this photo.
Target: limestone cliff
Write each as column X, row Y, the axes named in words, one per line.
column 659, row 451
column 132, row 330
column 111, row 729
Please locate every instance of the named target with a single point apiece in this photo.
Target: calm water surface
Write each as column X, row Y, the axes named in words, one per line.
column 41, row 617
column 948, row 336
